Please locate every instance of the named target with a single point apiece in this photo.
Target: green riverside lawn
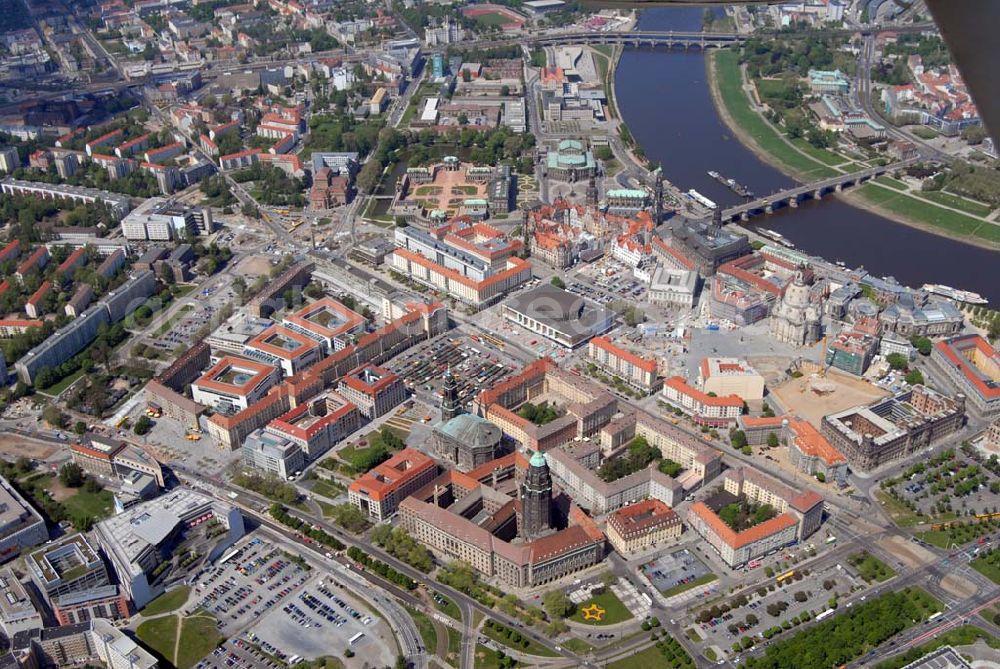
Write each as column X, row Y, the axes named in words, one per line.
column 883, row 193
column 730, row 83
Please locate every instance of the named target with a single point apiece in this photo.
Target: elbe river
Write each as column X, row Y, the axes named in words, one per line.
column 665, row 100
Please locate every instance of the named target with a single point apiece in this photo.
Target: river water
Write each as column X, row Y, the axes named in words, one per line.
column 664, row 99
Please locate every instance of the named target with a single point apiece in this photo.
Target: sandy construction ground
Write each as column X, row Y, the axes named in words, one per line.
column 797, row 398
column 909, row 553
column 254, row 266
column 14, row 446
column 959, row 586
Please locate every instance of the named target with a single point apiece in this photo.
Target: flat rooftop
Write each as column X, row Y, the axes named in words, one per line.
column 559, row 309
column 234, row 375
column 325, row 317
column 146, row 525
column 64, row 559
column 14, row 600
column 281, row 342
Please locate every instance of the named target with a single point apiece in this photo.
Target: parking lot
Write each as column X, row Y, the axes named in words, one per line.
column 673, row 569
column 322, row 619
column 423, row 369
column 275, row 609
column 776, row 608
column 256, row 579
column 950, row 480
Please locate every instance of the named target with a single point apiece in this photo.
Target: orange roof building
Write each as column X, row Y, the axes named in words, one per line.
column 234, row 384
column 635, row 370
column 811, row 453
column 799, row 515
column 328, row 322
column 285, row 348
column 705, row 409
column 436, row 516
column 973, row 366
column 379, row 492
column 374, row 390
column 642, row 525
column 317, row 425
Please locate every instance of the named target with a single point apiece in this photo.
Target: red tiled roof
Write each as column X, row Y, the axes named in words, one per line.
column 393, row 474
column 304, row 343
column 73, row 258
column 33, row 260
column 762, row 421
column 40, row 294
column 642, row 517
column 355, row 381
column 811, row 442
column 287, row 422
column 103, row 139
column 739, row 539
column 954, row 351
column 645, row 364
column 680, row 385
column 257, row 372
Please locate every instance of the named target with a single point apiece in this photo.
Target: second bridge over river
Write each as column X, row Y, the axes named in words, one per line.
column 815, row 191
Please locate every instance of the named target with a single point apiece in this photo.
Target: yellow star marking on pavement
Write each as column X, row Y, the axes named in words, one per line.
column 593, row 612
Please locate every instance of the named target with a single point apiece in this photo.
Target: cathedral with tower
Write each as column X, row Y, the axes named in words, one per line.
column 465, row 439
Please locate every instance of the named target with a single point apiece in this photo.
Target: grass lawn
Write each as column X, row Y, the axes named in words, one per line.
column 167, row 602
column 82, row 503
column 426, row 629
column 945, row 219
column 327, row 489
column 692, row 633
column 683, row 587
column 487, row 659
column 925, row 133
column 890, row 182
column 454, row 647
column 870, row 568
column 988, row 564
column 956, row 202
column 199, row 636
column 939, row 538
column 450, row 609
column 615, row 611
column 823, row 155
column 492, row 19
column 647, row 659
column 606, row 49
column 328, row 509
column 899, row 513
column 730, row 83
column 55, row 389
column 500, row 636
column 160, row 635
column 577, row 645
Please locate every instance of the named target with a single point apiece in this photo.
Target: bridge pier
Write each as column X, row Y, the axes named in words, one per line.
column 818, row 194
column 838, row 188
column 768, row 208
column 745, row 216
column 793, row 202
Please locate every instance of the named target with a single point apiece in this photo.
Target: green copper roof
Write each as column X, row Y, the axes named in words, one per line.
column 537, row 459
